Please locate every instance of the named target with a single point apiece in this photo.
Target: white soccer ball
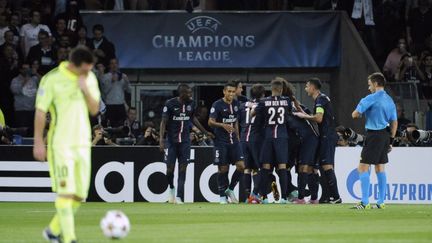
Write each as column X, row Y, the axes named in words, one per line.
column 115, row 224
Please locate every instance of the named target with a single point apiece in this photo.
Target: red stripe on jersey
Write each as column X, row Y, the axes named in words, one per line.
column 181, row 126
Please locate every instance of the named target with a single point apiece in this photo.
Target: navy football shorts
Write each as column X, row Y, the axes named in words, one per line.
column 226, row 154
column 274, row 151
column 180, row 151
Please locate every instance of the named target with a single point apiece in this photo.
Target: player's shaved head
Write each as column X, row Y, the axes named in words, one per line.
column 184, row 92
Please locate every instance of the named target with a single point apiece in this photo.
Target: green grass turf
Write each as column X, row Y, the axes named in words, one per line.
column 205, row 222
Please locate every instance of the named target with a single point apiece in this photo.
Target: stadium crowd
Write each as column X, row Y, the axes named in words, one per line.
column 35, row 36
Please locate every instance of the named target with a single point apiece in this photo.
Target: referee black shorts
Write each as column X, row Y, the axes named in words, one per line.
column 375, row 147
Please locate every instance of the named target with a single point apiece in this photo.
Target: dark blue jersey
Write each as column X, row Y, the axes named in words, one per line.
column 250, row 130
column 302, row 127
column 272, row 112
column 242, row 99
column 327, row 126
column 225, row 113
column 179, row 119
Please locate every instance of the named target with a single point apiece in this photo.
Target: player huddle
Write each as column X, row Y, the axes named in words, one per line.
column 258, row 136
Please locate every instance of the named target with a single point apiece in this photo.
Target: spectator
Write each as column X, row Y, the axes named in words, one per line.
column 402, row 121
column 133, row 124
column 99, row 138
column 24, row 87
column 60, row 29
column 9, row 40
column 419, row 25
column 114, row 84
column 61, row 55
column 151, row 136
column 29, row 32
column 4, row 7
column 393, row 59
column 103, row 48
column 64, row 41
column 410, row 5
column 426, row 68
column 43, row 52
column 4, row 26
column 8, row 70
column 408, row 70
column 82, row 37
column 14, row 26
column 35, row 67
column 73, row 20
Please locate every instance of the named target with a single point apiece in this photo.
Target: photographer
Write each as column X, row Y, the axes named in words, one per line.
column 199, row 138
column 408, row 69
column 151, row 136
column 100, row 138
column 348, row 137
column 412, row 136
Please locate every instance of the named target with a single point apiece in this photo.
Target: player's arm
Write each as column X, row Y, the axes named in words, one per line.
column 237, row 130
column 213, row 123
column 162, row 129
column 39, row 150
column 92, row 103
column 318, row 117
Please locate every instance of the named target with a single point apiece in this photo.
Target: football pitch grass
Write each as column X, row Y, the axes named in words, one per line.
column 206, row 222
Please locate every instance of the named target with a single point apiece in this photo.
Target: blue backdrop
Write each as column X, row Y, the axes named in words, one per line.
column 222, row 40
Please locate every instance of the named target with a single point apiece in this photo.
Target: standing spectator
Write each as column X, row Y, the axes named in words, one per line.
column 4, row 26
column 426, row 69
column 14, row 26
column 103, row 48
column 60, row 29
column 114, row 84
column 9, row 40
column 24, row 87
column 393, row 59
column 82, row 37
column 408, row 70
column 43, row 52
column 133, row 124
column 8, row 70
column 73, row 19
column 29, row 32
column 419, row 25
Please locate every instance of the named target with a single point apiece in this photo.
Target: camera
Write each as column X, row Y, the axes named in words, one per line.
column 421, row 136
column 352, row 137
column 116, row 132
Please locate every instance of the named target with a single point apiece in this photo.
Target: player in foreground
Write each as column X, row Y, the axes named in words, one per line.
column 227, row 150
column 177, row 118
column 380, row 112
column 69, row 93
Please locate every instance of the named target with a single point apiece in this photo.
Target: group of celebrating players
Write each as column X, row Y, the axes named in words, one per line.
column 258, row 135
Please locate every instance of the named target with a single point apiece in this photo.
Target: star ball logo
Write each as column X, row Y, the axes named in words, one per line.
column 203, row 40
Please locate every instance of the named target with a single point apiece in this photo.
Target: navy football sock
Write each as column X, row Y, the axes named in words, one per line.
column 313, row 185
column 222, row 183
column 302, row 181
column 256, row 181
column 283, row 181
column 170, row 179
column 290, row 186
column 264, row 176
column 332, row 182
column 236, row 177
column 247, row 180
column 181, row 184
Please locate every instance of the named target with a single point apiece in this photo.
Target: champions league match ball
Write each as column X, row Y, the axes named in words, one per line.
column 115, row 224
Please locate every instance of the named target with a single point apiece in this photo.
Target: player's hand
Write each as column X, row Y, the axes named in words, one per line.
column 300, row 114
column 228, row 127
column 161, row 145
column 82, row 81
column 390, row 148
column 39, row 151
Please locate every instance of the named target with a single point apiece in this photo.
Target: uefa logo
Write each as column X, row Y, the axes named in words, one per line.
column 203, row 23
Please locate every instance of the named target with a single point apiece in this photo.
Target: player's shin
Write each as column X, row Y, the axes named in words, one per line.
column 247, row 181
column 332, row 182
column 264, row 174
column 181, row 181
column 302, row 181
column 66, row 218
column 283, row 181
column 222, row 180
column 313, row 184
column 256, row 181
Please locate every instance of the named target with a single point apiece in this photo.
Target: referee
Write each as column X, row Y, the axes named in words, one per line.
column 380, row 112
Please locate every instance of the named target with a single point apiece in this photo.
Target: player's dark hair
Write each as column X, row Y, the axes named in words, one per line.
column 316, row 82
column 80, row 55
column 377, row 78
column 237, row 82
column 288, row 89
column 230, row 84
column 98, row 27
column 182, row 87
column 277, row 83
column 257, row 91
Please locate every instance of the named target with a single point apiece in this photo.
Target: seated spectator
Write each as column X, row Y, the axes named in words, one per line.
column 24, row 87
column 61, row 55
column 134, row 125
column 60, row 29
column 99, row 138
column 10, row 40
column 419, row 25
column 408, row 70
column 30, row 32
column 393, row 59
column 8, row 70
column 82, row 37
column 103, row 48
column 14, row 26
column 35, row 67
column 43, row 52
column 426, row 68
column 64, row 41
column 151, row 136
column 114, row 84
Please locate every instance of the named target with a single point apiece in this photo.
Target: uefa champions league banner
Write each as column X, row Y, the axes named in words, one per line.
column 221, row 40
column 131, row 174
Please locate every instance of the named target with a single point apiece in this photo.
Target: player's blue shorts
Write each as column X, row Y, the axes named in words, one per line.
column 274, row 151
column 180, row 151
column 251, row 152
column 226, row 154
column 327, row 149
column 308, row 150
